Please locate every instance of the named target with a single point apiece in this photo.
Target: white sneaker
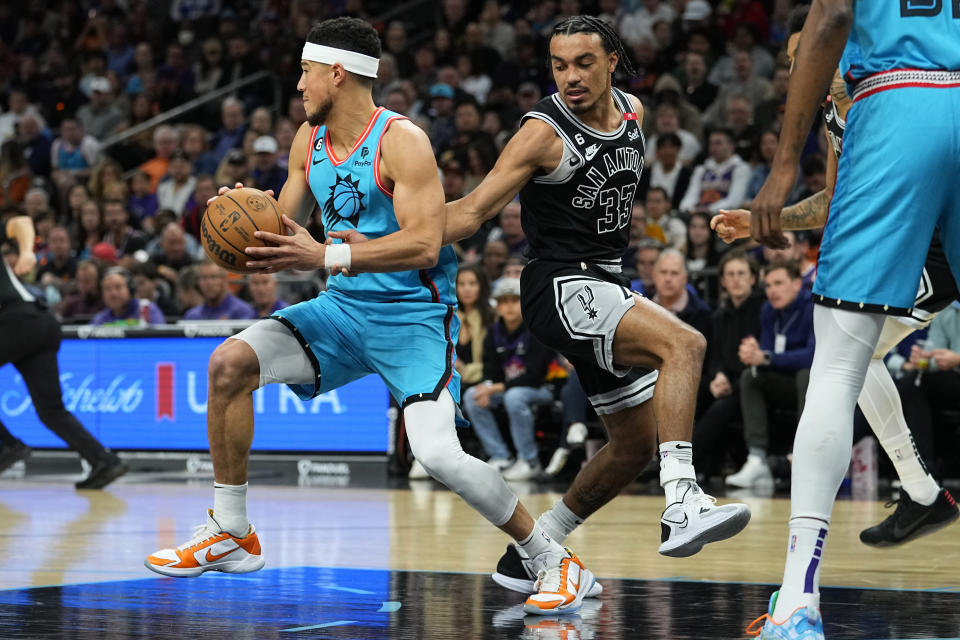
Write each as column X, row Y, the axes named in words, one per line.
column 210, row 549
column 417, row 471
column 697, row 520
column 518, row 572
column 523, row 470
column 754, row 471
column 557, row 461
column 577, row 434
column 500, row 464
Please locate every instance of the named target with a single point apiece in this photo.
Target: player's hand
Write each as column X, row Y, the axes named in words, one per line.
column 25, row 263
column 765, row 218
column 945, row 359
column 350, row 236
column 297, row 251
column 731, row 225
column 239, row 185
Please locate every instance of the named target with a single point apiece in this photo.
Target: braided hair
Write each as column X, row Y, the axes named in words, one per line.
column 608, row 37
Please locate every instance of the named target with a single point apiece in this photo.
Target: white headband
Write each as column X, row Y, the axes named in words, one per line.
column 351, row 60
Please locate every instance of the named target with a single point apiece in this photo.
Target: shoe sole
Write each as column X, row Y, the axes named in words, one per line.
column 526, row 586
column 686, row 547
column 573, row 607
column 919, row 532
column 247, row 565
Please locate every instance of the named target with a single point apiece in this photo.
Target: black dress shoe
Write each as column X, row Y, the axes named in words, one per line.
column 103, row 473
column 12, row 454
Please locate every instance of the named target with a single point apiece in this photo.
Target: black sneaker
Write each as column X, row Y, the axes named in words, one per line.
column 515, row 572
column 911, row 520
column 12, row 454
column 103, row 473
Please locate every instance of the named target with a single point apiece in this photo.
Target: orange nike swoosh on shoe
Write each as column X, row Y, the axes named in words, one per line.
column 210, row 558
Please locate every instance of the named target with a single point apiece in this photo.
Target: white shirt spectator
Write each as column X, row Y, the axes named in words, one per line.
column 718, row 185
column 690, row 148
column 173, row 196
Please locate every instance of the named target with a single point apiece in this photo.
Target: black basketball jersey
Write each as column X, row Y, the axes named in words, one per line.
column 580, row 212
column 11, row 290
column 834, row 124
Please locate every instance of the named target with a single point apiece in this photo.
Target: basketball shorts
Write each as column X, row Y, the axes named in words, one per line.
column 575, row 309
column 408, row 344
column 896, row 182
column 937, row 289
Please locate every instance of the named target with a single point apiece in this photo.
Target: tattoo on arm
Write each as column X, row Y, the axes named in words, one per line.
column 810, row 213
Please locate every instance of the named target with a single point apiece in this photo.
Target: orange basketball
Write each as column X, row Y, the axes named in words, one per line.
column 229, row 223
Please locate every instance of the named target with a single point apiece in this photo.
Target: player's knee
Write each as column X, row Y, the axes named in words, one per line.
column 514, row 399
column 440, row 462
column 233, row 368
column 693, row 343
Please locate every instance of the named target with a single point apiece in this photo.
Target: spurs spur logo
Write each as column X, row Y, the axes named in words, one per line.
column 587, row 303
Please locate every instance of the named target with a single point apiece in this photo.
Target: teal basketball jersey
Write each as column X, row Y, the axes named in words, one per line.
column 352, row 195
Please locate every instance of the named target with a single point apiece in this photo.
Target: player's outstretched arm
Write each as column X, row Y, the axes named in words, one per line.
column 533, row 146
column 21, row 229
column 822, row 41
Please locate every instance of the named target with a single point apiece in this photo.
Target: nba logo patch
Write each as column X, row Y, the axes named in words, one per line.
column 793, row 543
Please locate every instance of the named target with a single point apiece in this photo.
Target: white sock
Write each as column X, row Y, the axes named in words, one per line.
column 230, row 508
column 559, row 521
column 676, row 455
column 880, row 403
column 538, row 542
column 801, row 577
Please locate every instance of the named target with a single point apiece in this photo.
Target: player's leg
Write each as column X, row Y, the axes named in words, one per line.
column 266, row 352
column 649, row 335
column 924, row 507
column 821, row 455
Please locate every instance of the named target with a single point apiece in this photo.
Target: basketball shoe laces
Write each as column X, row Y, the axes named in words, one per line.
column 548, row 580
column 201, row 534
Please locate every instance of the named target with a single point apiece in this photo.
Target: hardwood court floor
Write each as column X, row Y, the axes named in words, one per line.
column 351, row 555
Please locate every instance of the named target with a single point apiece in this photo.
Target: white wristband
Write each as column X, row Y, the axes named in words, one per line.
column 337, row 254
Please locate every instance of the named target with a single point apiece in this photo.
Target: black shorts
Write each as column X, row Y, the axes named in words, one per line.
column 575, row 309
column 937, row 289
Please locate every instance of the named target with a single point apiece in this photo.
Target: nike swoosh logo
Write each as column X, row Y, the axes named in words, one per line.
column 680, row 446
column 681, row 524
column 318, row 160
column 574, row 162
column 591, row 151
column 210, row 558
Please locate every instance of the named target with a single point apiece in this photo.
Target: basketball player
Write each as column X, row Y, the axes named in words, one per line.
column 924, row 506
column 370, row 170
column 576, row 162
column 29, row 339
column 893, row 187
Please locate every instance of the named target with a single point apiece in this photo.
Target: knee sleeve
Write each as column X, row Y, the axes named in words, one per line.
column 434, row 442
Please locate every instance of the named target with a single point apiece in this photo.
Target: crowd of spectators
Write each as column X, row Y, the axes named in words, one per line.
column 117, row 206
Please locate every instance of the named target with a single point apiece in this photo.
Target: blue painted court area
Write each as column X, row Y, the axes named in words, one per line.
column 354, row 604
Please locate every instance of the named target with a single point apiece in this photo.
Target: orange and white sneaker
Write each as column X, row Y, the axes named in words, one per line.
column 561, row 587
column 210, row 549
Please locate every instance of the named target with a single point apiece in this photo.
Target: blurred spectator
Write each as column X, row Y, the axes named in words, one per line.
column 173, row 192
column 454, row 180
column 476, row 316
column 746, row 83
column 476, row 83
column 142, row 203
column 197, row 205
column 771, row 256
column 744, row 39
column 14, row 174
column 36, row 201
column 122, row 307
column 668, row 121
column 700, row 92
column 104, row 177
column 806, row 257
column 702, row 257
column 18, row 107
column 61, row 97
column 496, row 33
column 87, row 229
column 37, row 144
column 233, row 169
column 514, row 370
column 721, row 181
column 443, row 129
column 230, row 136
column 813, row 177
column 150, row 286
column 769, row 113
column 77, row 196
column 116, row 221
column 513, row 267
column 284, row 134
column 296, row 112
column 173, row 249
column 263, row 292
column 165, row 142
column 119, row 51
column 740, row 123
column 670, row 280
column 749, row 13
column 218, row 302
column 666, row 171
column 58, row 262
column 261, row 123
column 765, row 152
column 661, row 220
column 734, row 321
column 84, row 301
column 100, row 117
column 188, row 293
column 668, row 91
column 73, row 154
column 648, row 252
column 266, row 174
column 777, row 366
column 510, row 230
column 640, row 21
column 495, row 254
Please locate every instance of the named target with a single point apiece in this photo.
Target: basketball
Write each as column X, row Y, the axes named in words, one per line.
column 230, row 221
